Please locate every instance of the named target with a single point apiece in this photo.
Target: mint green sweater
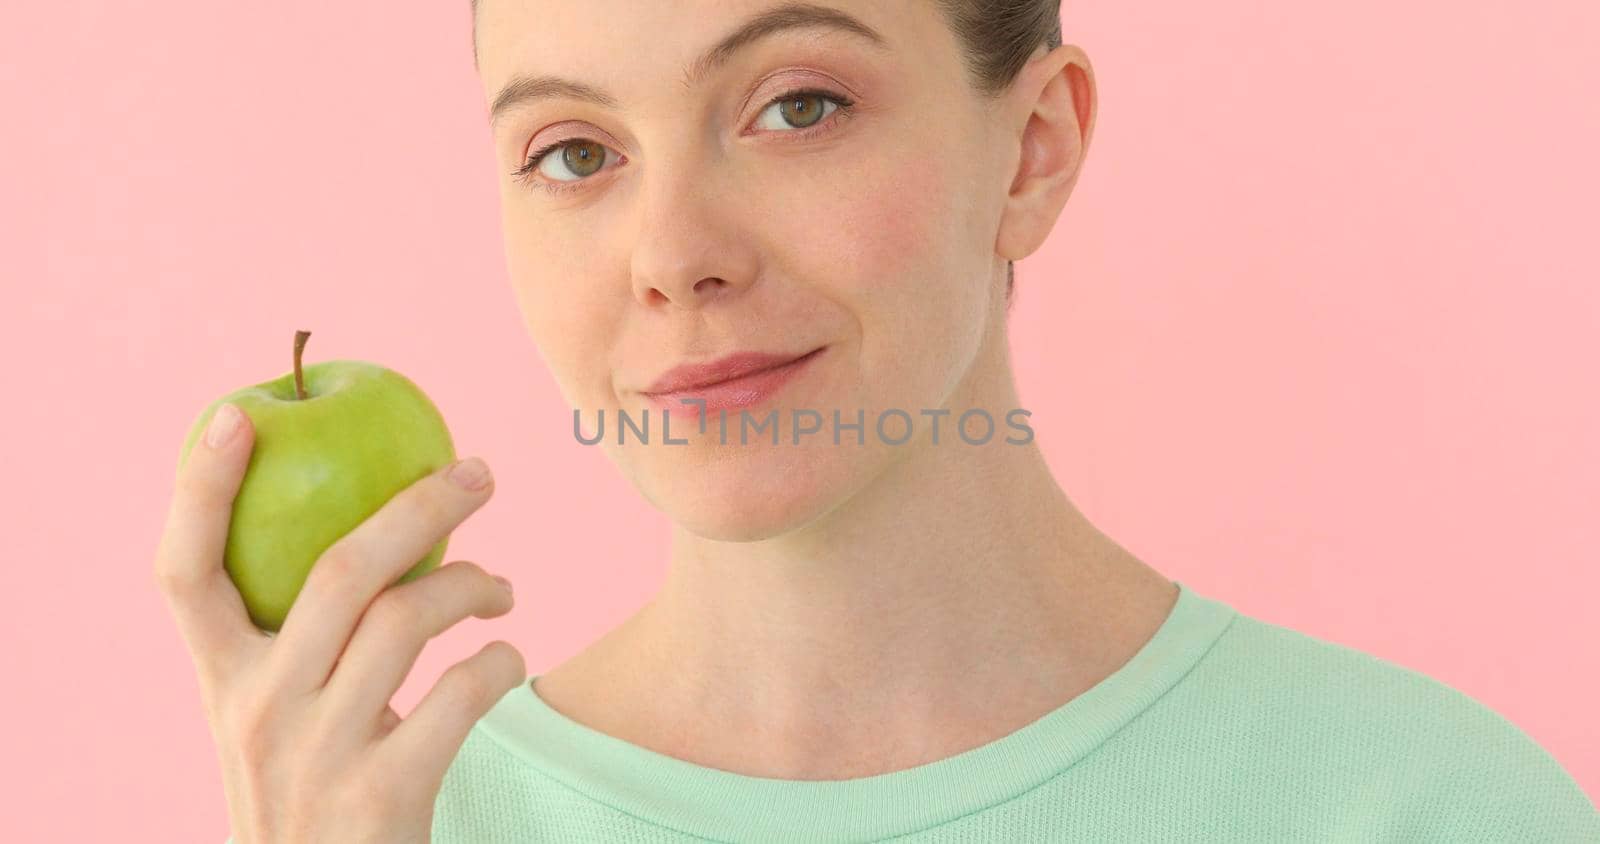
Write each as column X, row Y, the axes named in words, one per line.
column 1221, row 728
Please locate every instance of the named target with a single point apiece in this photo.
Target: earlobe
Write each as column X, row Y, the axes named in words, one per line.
column 1055, row 137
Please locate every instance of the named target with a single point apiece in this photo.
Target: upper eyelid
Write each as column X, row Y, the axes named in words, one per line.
column 797, row 88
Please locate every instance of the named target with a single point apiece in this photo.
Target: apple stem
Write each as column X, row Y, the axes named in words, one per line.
column 299, row 379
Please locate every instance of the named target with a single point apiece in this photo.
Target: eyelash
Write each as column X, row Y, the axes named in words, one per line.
column 525, row 174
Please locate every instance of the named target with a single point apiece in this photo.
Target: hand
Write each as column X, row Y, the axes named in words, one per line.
column 310, row 748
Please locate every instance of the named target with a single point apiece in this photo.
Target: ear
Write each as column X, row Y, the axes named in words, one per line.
column 1054, row 100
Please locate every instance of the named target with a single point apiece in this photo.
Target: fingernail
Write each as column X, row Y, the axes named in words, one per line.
column 503, row 582
column 223, row 423
column 470, row 474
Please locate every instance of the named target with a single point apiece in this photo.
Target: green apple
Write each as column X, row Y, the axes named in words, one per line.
column 333, row 442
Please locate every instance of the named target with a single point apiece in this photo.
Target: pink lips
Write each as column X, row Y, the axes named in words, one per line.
column 739, row 380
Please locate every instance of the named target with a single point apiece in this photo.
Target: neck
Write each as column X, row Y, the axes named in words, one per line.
column 959, row 574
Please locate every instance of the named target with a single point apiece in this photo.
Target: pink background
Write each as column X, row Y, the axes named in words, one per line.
column 1316, row 335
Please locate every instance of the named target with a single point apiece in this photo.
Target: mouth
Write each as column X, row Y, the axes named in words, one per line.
column 739, row 380
column 726, row 370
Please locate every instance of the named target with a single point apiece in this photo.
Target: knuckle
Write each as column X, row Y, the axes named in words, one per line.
column 174, row 580
column 469, row 689
column 194, row 483
column 511, row 659
column 466, row 570
column 339, row 567
column 200, row 492
column 398, row 610
column 429, row 506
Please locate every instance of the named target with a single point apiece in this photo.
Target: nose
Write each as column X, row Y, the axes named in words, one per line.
column 676, row 291
column 691, row 249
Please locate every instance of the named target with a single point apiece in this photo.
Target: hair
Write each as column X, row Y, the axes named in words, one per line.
column 997, row 38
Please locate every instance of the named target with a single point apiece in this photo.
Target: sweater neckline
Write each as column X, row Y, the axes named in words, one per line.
column 722, row 805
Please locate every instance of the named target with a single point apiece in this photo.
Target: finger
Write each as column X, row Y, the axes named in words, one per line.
column 388, row 721
column 429, row 738
column 210, row 614
column 394, row 631
column 359, row 565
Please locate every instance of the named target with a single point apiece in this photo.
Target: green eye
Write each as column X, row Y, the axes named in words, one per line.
column 800, row 110
column 804, row 110
column 581, row 157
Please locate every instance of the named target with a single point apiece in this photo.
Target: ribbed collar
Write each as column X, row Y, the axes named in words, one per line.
column 721, row 805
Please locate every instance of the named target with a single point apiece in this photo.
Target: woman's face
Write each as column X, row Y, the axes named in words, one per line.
column 707, row 210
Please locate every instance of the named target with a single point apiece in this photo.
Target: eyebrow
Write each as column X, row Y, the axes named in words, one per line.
column 524, row 89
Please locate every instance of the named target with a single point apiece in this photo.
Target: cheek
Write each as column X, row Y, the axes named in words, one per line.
column 565, row 319
column 901, row 257
column 888, row 221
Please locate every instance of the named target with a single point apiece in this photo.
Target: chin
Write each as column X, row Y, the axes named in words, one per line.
column 749, row 493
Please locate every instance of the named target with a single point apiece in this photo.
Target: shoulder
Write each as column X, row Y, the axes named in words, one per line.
column 1454, row 766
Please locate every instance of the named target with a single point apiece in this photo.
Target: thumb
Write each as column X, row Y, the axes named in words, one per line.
column 189, row 562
